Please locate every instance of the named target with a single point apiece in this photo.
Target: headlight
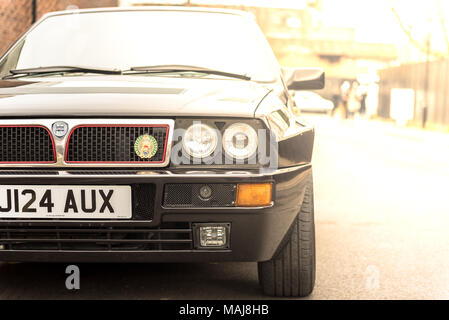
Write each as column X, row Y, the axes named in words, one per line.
column 240, row 141
column 200, row 140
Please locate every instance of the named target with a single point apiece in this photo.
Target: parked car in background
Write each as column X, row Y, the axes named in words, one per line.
column 308, row 101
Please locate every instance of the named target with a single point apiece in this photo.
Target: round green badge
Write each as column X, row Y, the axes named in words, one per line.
column 145, row 146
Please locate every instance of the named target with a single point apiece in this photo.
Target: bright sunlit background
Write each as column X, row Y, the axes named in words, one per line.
column 370, row 41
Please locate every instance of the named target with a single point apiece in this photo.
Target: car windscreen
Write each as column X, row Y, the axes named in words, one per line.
column 125, row 39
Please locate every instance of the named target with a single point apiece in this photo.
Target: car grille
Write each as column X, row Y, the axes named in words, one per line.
column 26, row 144
column 114, row 144
column 168, row 236
column 186, row 195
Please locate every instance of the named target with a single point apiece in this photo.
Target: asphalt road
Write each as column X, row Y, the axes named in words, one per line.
column 382, row 219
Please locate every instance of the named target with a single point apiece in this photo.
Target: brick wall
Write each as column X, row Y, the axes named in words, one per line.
column 16, row 16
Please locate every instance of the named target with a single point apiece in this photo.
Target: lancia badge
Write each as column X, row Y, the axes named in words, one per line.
column 145, row 146
column 60, row 129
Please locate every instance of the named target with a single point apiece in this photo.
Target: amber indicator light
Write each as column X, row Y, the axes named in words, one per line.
column 254, row 194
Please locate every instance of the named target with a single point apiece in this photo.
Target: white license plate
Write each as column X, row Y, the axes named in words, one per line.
column 65, row 202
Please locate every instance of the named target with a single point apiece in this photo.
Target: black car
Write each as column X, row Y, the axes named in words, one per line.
column 156, row 134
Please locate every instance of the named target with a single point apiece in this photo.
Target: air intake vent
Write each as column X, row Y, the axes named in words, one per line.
column 26, row 144
column 190, row 195
column 168, row 236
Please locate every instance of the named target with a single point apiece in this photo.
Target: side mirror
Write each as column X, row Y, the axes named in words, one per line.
column 304, row 78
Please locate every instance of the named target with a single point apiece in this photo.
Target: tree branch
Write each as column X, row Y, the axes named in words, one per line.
column 443, row 24
column 421, row 47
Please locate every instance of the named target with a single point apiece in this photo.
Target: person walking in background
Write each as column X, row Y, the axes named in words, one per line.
column 362, row 94
column 353, row 100
column 336, row 99
column 363, row 103
column 344, row 94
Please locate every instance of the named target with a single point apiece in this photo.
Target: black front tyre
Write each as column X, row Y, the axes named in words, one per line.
column 292, row 272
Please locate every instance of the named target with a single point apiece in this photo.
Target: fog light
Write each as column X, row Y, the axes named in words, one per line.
column 212, row 235
column 254, row 194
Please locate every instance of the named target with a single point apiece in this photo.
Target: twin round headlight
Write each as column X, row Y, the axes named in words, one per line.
column 239, row 141
column 200, row 140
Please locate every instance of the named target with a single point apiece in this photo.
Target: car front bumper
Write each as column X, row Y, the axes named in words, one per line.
column 255, row 234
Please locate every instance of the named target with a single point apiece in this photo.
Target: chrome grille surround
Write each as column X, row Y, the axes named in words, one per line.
column 61, row 142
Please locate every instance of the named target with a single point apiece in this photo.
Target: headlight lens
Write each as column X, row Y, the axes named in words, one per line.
column 240, row 141
column 200, row 140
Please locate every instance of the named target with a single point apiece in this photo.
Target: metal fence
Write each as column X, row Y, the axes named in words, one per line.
column 431, row 105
